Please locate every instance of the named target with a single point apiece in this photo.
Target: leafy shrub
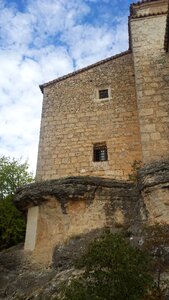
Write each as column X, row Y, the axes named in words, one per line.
column 112, row 270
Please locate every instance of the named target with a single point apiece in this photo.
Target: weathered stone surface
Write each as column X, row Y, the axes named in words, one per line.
column 65, row 255
column 66, row 189
column 154, row 174
column 19, row 279
column 154, row 186
column 77, row 205
column 74, row 206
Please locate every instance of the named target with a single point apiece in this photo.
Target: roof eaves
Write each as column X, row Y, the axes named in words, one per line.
column 42, row 86
column 143, row 1
column 149, row 15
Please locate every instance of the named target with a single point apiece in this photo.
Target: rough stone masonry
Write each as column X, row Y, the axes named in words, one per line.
column 96, row 122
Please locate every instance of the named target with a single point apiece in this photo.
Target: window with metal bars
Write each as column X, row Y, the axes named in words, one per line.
column 103, row 94
column 100, row 152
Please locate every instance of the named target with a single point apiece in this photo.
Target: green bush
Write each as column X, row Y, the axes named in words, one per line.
column 112, row 270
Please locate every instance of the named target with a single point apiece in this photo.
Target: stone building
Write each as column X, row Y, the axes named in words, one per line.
column 117, row 108
column 96, row 122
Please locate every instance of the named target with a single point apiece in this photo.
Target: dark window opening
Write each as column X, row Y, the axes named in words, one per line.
column 103, row 94
column 100, row 152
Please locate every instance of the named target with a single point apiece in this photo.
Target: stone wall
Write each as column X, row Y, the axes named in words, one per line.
column 73, row 120
column 151, row 64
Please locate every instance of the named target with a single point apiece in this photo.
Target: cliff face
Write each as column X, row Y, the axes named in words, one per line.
column 61, row 209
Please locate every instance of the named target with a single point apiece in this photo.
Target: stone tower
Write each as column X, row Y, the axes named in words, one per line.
column 149, row 38
column 95, row 123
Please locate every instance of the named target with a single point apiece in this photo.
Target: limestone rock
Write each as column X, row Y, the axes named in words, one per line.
column 154, row 174
column 65, row 189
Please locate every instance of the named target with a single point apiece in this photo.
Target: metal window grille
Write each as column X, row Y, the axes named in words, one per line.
column 103, row 94
column 100, row 152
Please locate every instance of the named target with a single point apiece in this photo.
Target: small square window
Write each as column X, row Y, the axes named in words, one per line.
column 103, row 94
column 100, row 152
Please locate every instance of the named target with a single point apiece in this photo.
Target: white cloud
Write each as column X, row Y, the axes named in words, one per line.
column 37, row 45
column 89, row 43
column 54, row 62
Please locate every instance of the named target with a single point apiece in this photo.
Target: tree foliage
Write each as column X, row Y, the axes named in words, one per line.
column 13, row 174
column 112, row 270
column 12, row 224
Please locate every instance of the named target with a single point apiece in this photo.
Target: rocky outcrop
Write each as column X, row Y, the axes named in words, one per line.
column 62, row 208
column 19, row 279
column 154, row 174
column 153, row 182
column 115, row 195
column 65, row 255
column 66, row 189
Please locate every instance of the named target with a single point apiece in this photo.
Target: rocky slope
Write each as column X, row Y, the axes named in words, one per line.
column 22, row 279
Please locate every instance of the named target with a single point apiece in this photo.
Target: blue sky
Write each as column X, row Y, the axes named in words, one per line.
column 41, row 40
